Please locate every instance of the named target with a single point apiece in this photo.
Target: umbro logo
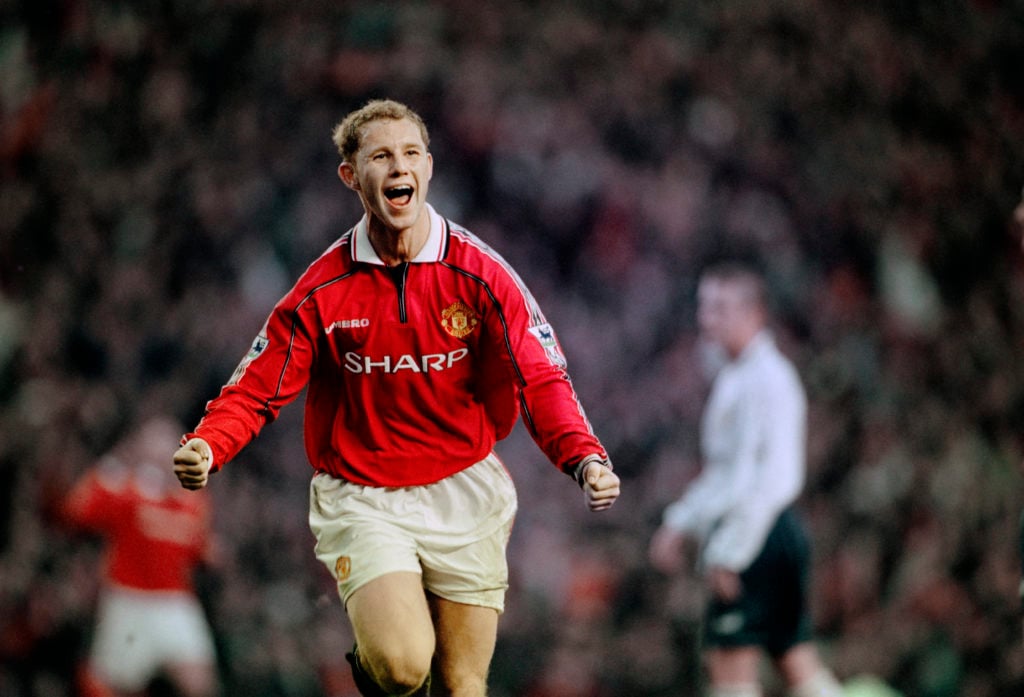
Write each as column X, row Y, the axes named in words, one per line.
column 347, row 324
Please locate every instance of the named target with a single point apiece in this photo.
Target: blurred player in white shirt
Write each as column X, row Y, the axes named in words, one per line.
column 754, row 553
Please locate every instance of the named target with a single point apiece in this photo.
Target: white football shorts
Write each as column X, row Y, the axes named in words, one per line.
column 453, row 532
column 138, row 633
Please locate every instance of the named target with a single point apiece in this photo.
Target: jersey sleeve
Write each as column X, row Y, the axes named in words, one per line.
column 272, row 374
column 548, row 403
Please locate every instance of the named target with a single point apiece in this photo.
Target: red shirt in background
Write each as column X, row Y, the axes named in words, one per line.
column 155, row 531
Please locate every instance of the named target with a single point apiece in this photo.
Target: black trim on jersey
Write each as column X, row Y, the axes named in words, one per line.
column 447, row 238
column 399, row 274
column 536, row 317
column 295, row 324
column 501, row 315
column 527, row 417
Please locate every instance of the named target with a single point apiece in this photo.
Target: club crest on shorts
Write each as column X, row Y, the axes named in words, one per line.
column 459, row 320
column 343, row 568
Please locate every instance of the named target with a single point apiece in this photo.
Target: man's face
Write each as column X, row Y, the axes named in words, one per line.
column 391, row 171
column 726, row 316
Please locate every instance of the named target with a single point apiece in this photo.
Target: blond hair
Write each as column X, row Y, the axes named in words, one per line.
column 348, row 134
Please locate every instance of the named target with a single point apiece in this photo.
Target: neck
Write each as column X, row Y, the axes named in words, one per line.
column 398, row 246
column 739, row 347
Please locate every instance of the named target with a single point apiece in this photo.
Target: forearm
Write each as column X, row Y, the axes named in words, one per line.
column 231, row 422
column 706, row 500
column 558, row 424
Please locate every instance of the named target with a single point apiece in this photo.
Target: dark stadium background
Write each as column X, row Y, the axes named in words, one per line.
column 167, row 169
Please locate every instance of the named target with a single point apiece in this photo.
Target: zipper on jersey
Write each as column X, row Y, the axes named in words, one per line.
column 398, row 275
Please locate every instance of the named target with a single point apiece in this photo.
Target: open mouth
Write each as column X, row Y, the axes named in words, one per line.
column 399, row 195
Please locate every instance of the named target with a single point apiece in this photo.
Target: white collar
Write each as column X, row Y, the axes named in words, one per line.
column 433, row 250
column 760, row 342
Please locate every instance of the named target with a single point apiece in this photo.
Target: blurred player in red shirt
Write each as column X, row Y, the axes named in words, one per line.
column 149, row 622
column 420, row 348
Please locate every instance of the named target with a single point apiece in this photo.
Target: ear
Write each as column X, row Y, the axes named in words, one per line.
column 347, row 174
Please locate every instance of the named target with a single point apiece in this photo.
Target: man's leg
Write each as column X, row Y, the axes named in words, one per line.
column 733, row 671
column 805, row 673
column 394, row 633
column 466, row 635
column 195, row 679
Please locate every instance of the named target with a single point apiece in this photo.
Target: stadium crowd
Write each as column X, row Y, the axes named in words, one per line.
column 869, row 153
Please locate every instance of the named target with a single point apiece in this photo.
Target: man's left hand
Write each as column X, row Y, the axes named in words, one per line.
column 600, row 485
column 725, row 584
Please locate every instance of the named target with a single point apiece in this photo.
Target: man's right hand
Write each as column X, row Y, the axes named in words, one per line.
column 192, row 463
column 725, row 584
column 667, row 550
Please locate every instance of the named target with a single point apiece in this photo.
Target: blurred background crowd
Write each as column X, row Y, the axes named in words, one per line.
column 167, row 170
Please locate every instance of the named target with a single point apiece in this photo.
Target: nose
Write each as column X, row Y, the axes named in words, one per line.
column 399, row 164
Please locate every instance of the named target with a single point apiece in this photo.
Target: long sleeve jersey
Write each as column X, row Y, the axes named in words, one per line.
column 413, row 371
column 753, row 443
column 155, row 532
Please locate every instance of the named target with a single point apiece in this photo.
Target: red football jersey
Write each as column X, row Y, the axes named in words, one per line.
column 413, row 371
column 155, row 531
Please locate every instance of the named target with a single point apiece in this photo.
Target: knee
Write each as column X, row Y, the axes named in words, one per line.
column 400, row 673
column 799, row 664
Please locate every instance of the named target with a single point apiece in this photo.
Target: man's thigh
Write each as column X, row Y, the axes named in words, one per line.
column 391, row 621
column 466, row 635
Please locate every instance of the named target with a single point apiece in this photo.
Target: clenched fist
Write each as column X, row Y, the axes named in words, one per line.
column 600, row 485
column 192, row 463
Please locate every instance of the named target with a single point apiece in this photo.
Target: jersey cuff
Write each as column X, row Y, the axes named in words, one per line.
column 576, row 472
column 215, row 465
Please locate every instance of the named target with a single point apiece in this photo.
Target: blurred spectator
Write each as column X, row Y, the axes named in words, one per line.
column 1018, row 217
column 1018, row 222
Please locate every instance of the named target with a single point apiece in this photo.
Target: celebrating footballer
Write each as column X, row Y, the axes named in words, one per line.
column 420, row 348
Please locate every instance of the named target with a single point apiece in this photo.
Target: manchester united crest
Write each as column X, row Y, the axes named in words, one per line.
column 343, row 568
column 459, row 320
